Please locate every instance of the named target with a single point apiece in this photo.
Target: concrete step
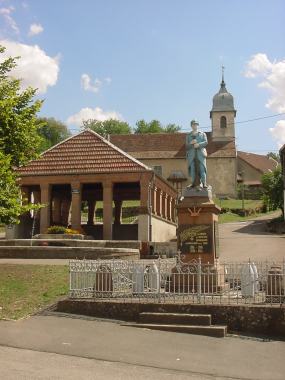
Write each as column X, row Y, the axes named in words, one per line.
column 49, row 252
column 213, row 331
column 176, row 318
column 68, row 242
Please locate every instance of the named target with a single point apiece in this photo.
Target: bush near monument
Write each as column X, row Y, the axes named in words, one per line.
column 62, row 230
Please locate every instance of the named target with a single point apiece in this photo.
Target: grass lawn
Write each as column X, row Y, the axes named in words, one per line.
column 24, row 289
column 229, row 217
column 237, row 203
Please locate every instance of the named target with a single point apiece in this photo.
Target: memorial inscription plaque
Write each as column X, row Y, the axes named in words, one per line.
column 196, row 238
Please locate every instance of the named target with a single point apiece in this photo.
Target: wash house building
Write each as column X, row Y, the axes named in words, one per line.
column 87, row 169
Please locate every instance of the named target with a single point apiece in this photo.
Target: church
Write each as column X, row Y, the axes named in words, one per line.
column 166, row 153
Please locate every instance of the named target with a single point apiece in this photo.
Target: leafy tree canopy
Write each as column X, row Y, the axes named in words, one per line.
column 19, row 139
column 272, row 183
column 273, row 155
column 11, row 206
column 108, row 127
column 18, row 123
column 51, row 131
column 155, row 126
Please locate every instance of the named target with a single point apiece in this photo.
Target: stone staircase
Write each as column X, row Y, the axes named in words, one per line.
column 199, row 324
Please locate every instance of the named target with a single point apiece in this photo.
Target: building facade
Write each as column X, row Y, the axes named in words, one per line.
column 88, row 168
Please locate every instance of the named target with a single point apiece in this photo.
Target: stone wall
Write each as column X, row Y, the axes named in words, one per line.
column 162, row 230
column 253, row 319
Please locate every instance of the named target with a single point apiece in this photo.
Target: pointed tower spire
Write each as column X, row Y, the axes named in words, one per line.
column 223, row 85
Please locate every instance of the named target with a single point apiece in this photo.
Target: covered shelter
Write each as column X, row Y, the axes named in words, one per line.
column 86, row 170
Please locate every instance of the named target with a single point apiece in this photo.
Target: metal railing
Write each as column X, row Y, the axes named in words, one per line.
column 170, row 280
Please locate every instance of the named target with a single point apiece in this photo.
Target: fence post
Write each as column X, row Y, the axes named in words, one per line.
column 199, row 274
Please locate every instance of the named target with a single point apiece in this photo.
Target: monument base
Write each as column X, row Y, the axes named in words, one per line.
column 197, row 233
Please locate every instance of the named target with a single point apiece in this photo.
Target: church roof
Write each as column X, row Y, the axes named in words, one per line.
column 223, row 100
column 260, row 162
column 85, row 153
column 168, row 145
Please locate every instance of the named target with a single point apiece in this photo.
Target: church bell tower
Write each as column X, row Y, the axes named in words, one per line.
column 223, row 114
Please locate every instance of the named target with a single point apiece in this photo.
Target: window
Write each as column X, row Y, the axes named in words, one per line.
column 158, row 170
column 223, row 122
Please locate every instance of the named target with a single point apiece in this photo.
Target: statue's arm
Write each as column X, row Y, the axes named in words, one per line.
column 203, row 143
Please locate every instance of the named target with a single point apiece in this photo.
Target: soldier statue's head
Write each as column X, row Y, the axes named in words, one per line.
column 194, row 126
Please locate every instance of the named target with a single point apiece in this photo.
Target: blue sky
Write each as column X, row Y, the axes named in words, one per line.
column 153, row 59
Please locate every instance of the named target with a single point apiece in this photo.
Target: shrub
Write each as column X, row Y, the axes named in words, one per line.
column 56, row 230
column 69, row 231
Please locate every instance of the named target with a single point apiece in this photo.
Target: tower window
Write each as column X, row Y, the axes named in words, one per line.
column 223, row 122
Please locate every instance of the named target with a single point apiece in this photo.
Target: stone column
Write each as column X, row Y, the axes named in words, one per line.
column 163, row 210
column 91, row 211
column 45, row 211
column 76, row 205
column 56, row 211
column 118, row 212
column 143, row 218
column 173, row 210
column 170, row 215
column 154, row 196
column 159, row 202
column 107, row 210
column 65, row 211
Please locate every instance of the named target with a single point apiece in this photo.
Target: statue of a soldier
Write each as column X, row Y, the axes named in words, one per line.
column 196, row 142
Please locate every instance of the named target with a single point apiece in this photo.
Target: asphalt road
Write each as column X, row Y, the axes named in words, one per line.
column 61, row 347
column 244, row 240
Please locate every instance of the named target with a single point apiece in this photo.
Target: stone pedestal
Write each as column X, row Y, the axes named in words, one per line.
column 197, row 232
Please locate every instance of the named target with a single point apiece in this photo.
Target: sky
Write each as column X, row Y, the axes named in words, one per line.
column 153, row 59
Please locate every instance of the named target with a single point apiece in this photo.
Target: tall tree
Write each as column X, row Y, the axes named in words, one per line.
column 272, row 183
column 11, row 206
column 155, row 126
column 108, row 127
column 273, row 155
column 19, row 139
column 18, row 122
column 52, row 132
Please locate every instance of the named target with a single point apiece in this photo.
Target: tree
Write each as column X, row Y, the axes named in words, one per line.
column 273, row 155
column 51, row 131
column 155, row 126
column 18, row 123
column 272, row 183
column 19, row 139
column 108, row 127
column 172, row 128
column 11, row 206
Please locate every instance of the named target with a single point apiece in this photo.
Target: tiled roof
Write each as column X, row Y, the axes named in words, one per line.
column 168, row 145
column 84, row 153
column 258, row 161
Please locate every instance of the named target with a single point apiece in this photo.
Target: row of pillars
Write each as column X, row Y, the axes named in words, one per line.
column 163, row 204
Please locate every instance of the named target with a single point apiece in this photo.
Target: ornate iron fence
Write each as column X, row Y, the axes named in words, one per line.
column 170, row 280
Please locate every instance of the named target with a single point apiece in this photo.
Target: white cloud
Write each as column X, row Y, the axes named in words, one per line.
column 35, row 29
column 87, row 85
column 278, row 132
column 35, row 67
column 92, row 113
column 272, row 76
column 6, row 14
